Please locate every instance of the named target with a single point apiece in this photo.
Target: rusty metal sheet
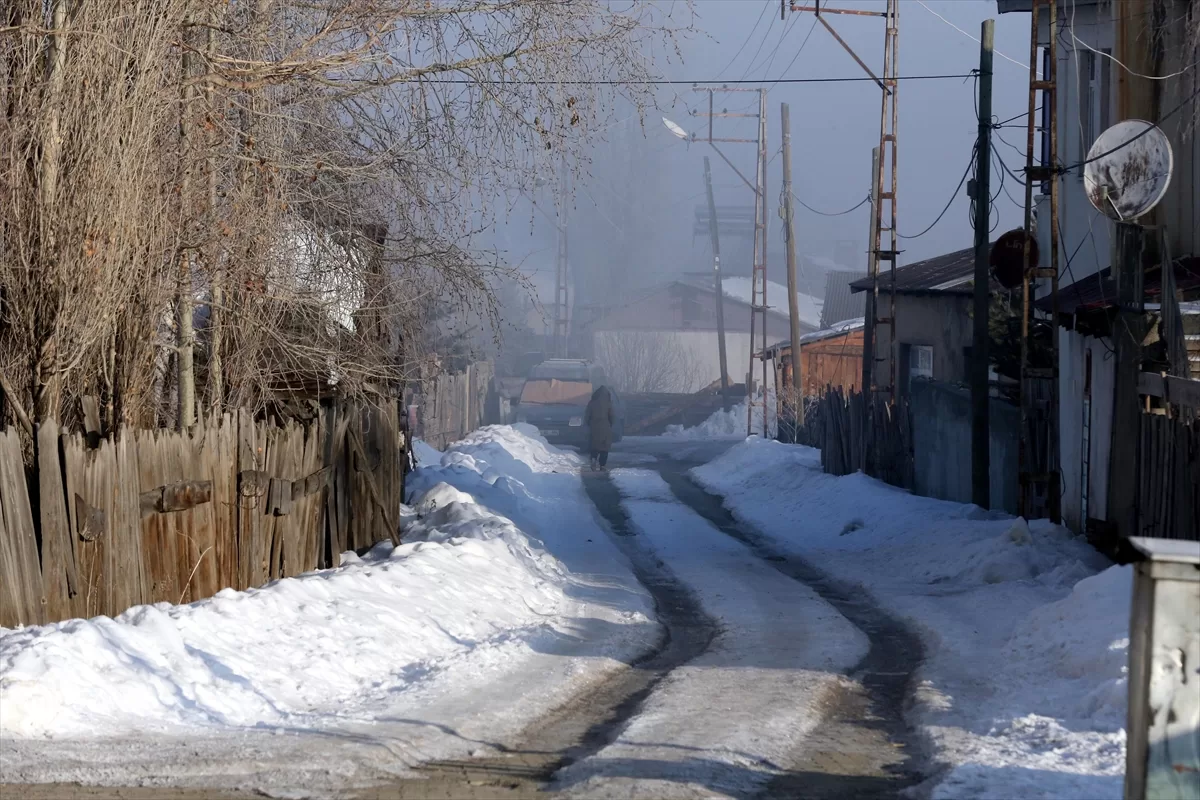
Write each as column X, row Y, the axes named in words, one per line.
column 185, row 494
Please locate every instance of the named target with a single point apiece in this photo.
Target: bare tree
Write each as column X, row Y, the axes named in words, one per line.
column 648, row 362
column 220, row 183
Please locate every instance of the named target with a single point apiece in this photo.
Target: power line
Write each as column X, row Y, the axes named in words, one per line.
column 861, row 203
column 749, row 36
column 969, row 36
column 758, row 52
column 800, row 50
column 666, row 82
column 950, row 202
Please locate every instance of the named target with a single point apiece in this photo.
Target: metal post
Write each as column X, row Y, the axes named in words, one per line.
column 716, row 249
column 789, row 233
column 1162, row 760
column 980, row 443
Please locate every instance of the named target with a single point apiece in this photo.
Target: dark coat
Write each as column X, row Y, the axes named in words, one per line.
column 599, row 418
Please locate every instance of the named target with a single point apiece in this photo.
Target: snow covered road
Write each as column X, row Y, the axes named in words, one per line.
column 730, row 721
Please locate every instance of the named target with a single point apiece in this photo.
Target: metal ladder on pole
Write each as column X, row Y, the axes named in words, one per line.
column 886, row 192
column 1038, row 448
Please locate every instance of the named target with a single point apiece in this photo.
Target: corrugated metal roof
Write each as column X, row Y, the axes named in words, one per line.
column 951, row 272
column 840, row 302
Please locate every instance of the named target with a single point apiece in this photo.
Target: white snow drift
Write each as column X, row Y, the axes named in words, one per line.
column 1026, row 631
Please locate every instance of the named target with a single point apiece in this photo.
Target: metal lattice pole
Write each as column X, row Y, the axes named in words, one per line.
column 1037, row 455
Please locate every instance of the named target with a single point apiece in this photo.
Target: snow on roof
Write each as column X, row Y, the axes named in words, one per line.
column 824, row 333
column 810, row 307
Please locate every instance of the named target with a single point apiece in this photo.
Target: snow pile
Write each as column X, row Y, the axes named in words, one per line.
column 1025, row 626
column 273, row 656
column 810, row 307
column 469, row 598
column 729, row 424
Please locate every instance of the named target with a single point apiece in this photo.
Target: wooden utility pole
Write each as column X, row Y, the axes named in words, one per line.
column 980, row 424
column 1128, row 332
column 789, row 233
column 716, row 249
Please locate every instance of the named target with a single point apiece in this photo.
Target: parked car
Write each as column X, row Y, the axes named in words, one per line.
column 556, row 394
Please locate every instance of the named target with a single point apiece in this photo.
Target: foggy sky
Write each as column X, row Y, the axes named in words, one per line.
column 834, row 127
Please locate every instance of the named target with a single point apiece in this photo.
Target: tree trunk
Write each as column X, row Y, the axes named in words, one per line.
column 185, row 335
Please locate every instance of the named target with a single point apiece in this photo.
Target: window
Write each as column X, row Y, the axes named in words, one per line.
column 1095, row 102
column 920, row 361
column 1087, row 102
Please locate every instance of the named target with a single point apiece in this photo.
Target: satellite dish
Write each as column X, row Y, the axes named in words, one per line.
column 675, row 129
column 1128, row 169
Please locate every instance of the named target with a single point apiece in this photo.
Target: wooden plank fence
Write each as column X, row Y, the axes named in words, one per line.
column 883, row 450
column 1169, row 478
column 452, row 406
column 98, row 525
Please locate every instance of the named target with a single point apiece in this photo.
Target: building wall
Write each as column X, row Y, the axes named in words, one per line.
column 941, row 321
column 1121, row 29
column 1073, row 349
column 702, row 354
column 836, row 361
column 941, row 419
column 683, row 308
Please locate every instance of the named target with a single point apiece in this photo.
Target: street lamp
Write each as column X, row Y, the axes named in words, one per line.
column 675, row 129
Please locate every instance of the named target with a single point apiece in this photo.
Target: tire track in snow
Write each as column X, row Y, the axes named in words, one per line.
column 865, row 748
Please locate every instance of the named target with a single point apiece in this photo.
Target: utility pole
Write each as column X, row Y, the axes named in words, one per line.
column 1128, row 332
column 789, row 233
column 868, row 363
column 758, row 280
column 980, row 424
column 561, row 295
column 716, row 249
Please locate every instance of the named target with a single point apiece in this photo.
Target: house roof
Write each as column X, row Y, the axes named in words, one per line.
column 1099, row 290
column 832, row 332
column 738, row 290
column 950, row 273
column 840, row 302
column 1017, row 6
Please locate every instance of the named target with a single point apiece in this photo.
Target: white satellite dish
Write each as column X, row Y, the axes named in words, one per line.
column 1128, row 169
column 675, row 129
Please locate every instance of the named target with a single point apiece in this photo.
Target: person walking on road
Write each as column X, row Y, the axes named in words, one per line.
column 599, row 418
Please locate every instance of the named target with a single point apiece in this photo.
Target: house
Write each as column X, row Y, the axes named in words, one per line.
column 1105, row 48
column 664, row 338
column 933, row 320
column 828, row 357
column 841, row 302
